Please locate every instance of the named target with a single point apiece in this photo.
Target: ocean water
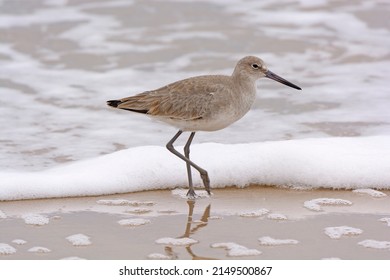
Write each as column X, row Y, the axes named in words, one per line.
column 62, row 59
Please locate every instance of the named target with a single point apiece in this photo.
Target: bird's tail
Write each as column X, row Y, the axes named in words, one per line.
column 114, row 103
column 117, row 103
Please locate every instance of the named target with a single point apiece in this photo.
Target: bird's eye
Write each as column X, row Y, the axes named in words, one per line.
column 255, row 66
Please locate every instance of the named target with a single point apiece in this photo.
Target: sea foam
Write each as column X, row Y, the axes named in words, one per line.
column 349, row 163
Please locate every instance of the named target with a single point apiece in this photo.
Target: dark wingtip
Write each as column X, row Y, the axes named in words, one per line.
column 116, row 103
column 113, row 103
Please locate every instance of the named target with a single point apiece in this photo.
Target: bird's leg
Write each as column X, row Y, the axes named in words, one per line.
column 203, row 173
column 191, row 192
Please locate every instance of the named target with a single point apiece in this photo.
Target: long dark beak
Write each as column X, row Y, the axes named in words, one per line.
column 279, row 79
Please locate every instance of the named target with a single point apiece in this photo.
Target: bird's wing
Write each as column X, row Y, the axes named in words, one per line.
column 187, row 99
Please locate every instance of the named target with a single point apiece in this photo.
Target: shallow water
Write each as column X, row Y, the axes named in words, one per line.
column 137, row 243
column 61, row 60
column 220, row 219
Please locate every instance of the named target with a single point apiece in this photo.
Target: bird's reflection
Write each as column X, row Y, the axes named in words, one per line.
column 191, row 229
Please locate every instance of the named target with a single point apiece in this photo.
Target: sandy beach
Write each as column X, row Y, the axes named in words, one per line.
column 231, row 218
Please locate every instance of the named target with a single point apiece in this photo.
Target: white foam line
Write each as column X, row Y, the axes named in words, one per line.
column 313, row 163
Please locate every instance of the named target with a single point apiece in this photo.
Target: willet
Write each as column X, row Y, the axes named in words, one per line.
column 202, row 103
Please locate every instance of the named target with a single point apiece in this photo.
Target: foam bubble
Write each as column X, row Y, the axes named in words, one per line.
column 338, row 232
column 236, row 250
column 185, row 241
column 254, row 213
column 385, row 220
column 19, row 241
column 371, row 192
column 2, row 215
column 276, row 216
column 79, row 239
column 133, row 222
column 35, row 219
column 6, row 249
column 138, row 211
column 269, row 241
column 375, row 244
column 124, row 202
column 158, row 256
column 39, row 249
column 73, row 258
column 315, row 204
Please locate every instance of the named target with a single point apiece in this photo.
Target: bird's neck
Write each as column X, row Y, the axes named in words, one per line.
column 243, row 81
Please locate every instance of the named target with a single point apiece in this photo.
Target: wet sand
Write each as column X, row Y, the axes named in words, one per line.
column 207, row 220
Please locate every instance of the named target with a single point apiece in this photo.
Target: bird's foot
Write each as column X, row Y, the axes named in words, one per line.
column 191, row 194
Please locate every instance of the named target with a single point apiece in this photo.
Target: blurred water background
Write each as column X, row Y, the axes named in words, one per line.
column 60, row 60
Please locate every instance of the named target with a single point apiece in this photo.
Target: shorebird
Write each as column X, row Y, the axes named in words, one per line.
column 202, row 103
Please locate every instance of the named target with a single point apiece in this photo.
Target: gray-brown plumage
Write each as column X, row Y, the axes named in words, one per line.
column 203, row 103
